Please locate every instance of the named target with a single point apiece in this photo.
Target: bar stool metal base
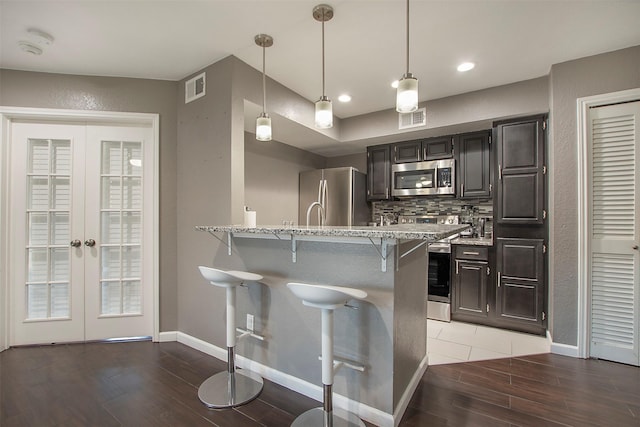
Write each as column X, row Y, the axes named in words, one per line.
column 318, row 417
column 228, row 390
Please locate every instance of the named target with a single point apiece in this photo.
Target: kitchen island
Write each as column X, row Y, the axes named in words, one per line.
column 385, row 333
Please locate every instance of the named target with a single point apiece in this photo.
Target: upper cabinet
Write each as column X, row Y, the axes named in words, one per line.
column 437, row 148
column 520, row 171
column 407, row 152
column 423, row 150
column 378, row 172
column 474, row 165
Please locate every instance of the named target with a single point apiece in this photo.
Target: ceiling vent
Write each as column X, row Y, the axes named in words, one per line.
column 194, row 88
column 412, row 120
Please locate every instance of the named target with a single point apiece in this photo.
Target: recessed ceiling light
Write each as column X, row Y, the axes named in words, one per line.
column 466, row 66
column 344, row 98
column 394, row 84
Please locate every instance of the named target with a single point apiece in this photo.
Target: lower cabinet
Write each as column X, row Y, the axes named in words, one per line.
column 470, row 277
column 521, row 284
column 503, row 286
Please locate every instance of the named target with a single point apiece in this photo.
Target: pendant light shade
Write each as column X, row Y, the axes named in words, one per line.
column 407, row 95
column 263, row 127
column 263, row 122
column 324, row 109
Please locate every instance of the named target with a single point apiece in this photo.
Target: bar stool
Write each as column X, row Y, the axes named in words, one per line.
column 233, row 387
column 327, row 299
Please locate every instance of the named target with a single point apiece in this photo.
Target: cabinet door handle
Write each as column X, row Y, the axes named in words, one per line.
column 499, row 172
column 457, row 268
column 498, row 279
column 470, row 253
column 462, row 189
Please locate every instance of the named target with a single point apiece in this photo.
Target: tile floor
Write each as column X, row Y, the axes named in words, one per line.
column 464, row 342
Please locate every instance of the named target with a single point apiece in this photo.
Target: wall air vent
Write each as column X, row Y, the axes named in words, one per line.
column 194, row 88
column 412, row 120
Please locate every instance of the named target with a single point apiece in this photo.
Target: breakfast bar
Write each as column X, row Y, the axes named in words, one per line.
column 385, row 333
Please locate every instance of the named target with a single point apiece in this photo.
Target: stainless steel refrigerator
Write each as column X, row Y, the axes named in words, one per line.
column 342, row 192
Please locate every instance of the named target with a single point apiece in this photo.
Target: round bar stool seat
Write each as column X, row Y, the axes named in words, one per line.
column 233, row 387
column 327, row 298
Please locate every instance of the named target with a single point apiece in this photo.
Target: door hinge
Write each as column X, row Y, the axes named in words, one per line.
column 544, row 315
column 544, row 249
column 487, row 308
column 544, row 125
column 544, row 170
column 488, row 271
column 544, row 214
column 490, row 139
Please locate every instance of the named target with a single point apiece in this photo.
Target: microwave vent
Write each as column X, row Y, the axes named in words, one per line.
column 412, row 120
column 194, row 88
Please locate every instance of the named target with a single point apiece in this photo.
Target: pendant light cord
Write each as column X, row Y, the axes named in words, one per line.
column 264, row 87
column 323, row 19
column 407, row 36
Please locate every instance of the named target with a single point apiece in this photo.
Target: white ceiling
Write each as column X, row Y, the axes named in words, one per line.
column 365, row 41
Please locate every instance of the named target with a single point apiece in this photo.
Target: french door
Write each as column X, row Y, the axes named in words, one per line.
column 81, row 232
column 614, row 264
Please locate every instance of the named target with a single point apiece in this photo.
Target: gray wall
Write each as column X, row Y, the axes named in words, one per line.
column 610, row 72
column 271, row 172
column 42, row 90
column 358, row 161
column 461, row 113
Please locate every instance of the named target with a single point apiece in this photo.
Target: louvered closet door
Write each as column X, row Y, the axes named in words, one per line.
column 615, row 295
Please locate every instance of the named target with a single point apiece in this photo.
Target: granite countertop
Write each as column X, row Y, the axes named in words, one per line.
column 472, row 241
column 430, row 232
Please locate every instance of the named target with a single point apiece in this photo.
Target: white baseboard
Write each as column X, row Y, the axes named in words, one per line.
column 366, row 412
column 403, row 403
column 168, row 336
column 565, row 349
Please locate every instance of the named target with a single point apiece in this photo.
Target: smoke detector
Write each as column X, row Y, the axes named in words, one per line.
column 39, row 37
column 35, row 41
column 29, row 47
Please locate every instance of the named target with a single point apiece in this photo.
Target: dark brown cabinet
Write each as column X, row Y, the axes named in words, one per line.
column 470, row 276
column 378, row 172
column 521, row 284
column 407, row 152
column 474, row 165
column 437, row 148
column 521, row 170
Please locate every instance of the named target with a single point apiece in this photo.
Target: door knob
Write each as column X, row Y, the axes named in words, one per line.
column 76, row 243
column 634, row 247
column 90, row 242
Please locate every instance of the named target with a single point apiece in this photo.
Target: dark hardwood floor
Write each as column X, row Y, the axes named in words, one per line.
column 146, row 384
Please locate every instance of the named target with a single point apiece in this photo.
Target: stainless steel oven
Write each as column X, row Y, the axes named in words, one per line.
column 424, row 178
column 439, row 269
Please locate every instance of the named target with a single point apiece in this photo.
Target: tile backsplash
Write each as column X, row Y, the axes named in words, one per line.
column 429, row 206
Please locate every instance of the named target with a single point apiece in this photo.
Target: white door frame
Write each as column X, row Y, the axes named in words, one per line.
column 9, row 114
column 584, row 218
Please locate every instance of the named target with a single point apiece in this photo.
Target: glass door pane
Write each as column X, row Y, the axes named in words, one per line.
column 48, row 270
column 120, row 228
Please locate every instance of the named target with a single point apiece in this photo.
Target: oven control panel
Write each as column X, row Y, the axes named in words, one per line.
column 429, row 219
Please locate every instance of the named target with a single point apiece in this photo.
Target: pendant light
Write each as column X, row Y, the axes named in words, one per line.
column 324, row 110
column 407, row 96
column 263, row 123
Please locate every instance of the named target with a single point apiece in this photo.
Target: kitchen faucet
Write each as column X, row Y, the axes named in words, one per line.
column 321, row 212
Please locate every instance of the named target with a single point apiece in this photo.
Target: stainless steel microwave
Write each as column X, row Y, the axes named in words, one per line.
column 436, row 177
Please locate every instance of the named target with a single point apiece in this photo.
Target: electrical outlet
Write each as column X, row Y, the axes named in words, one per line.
column 250, row 322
